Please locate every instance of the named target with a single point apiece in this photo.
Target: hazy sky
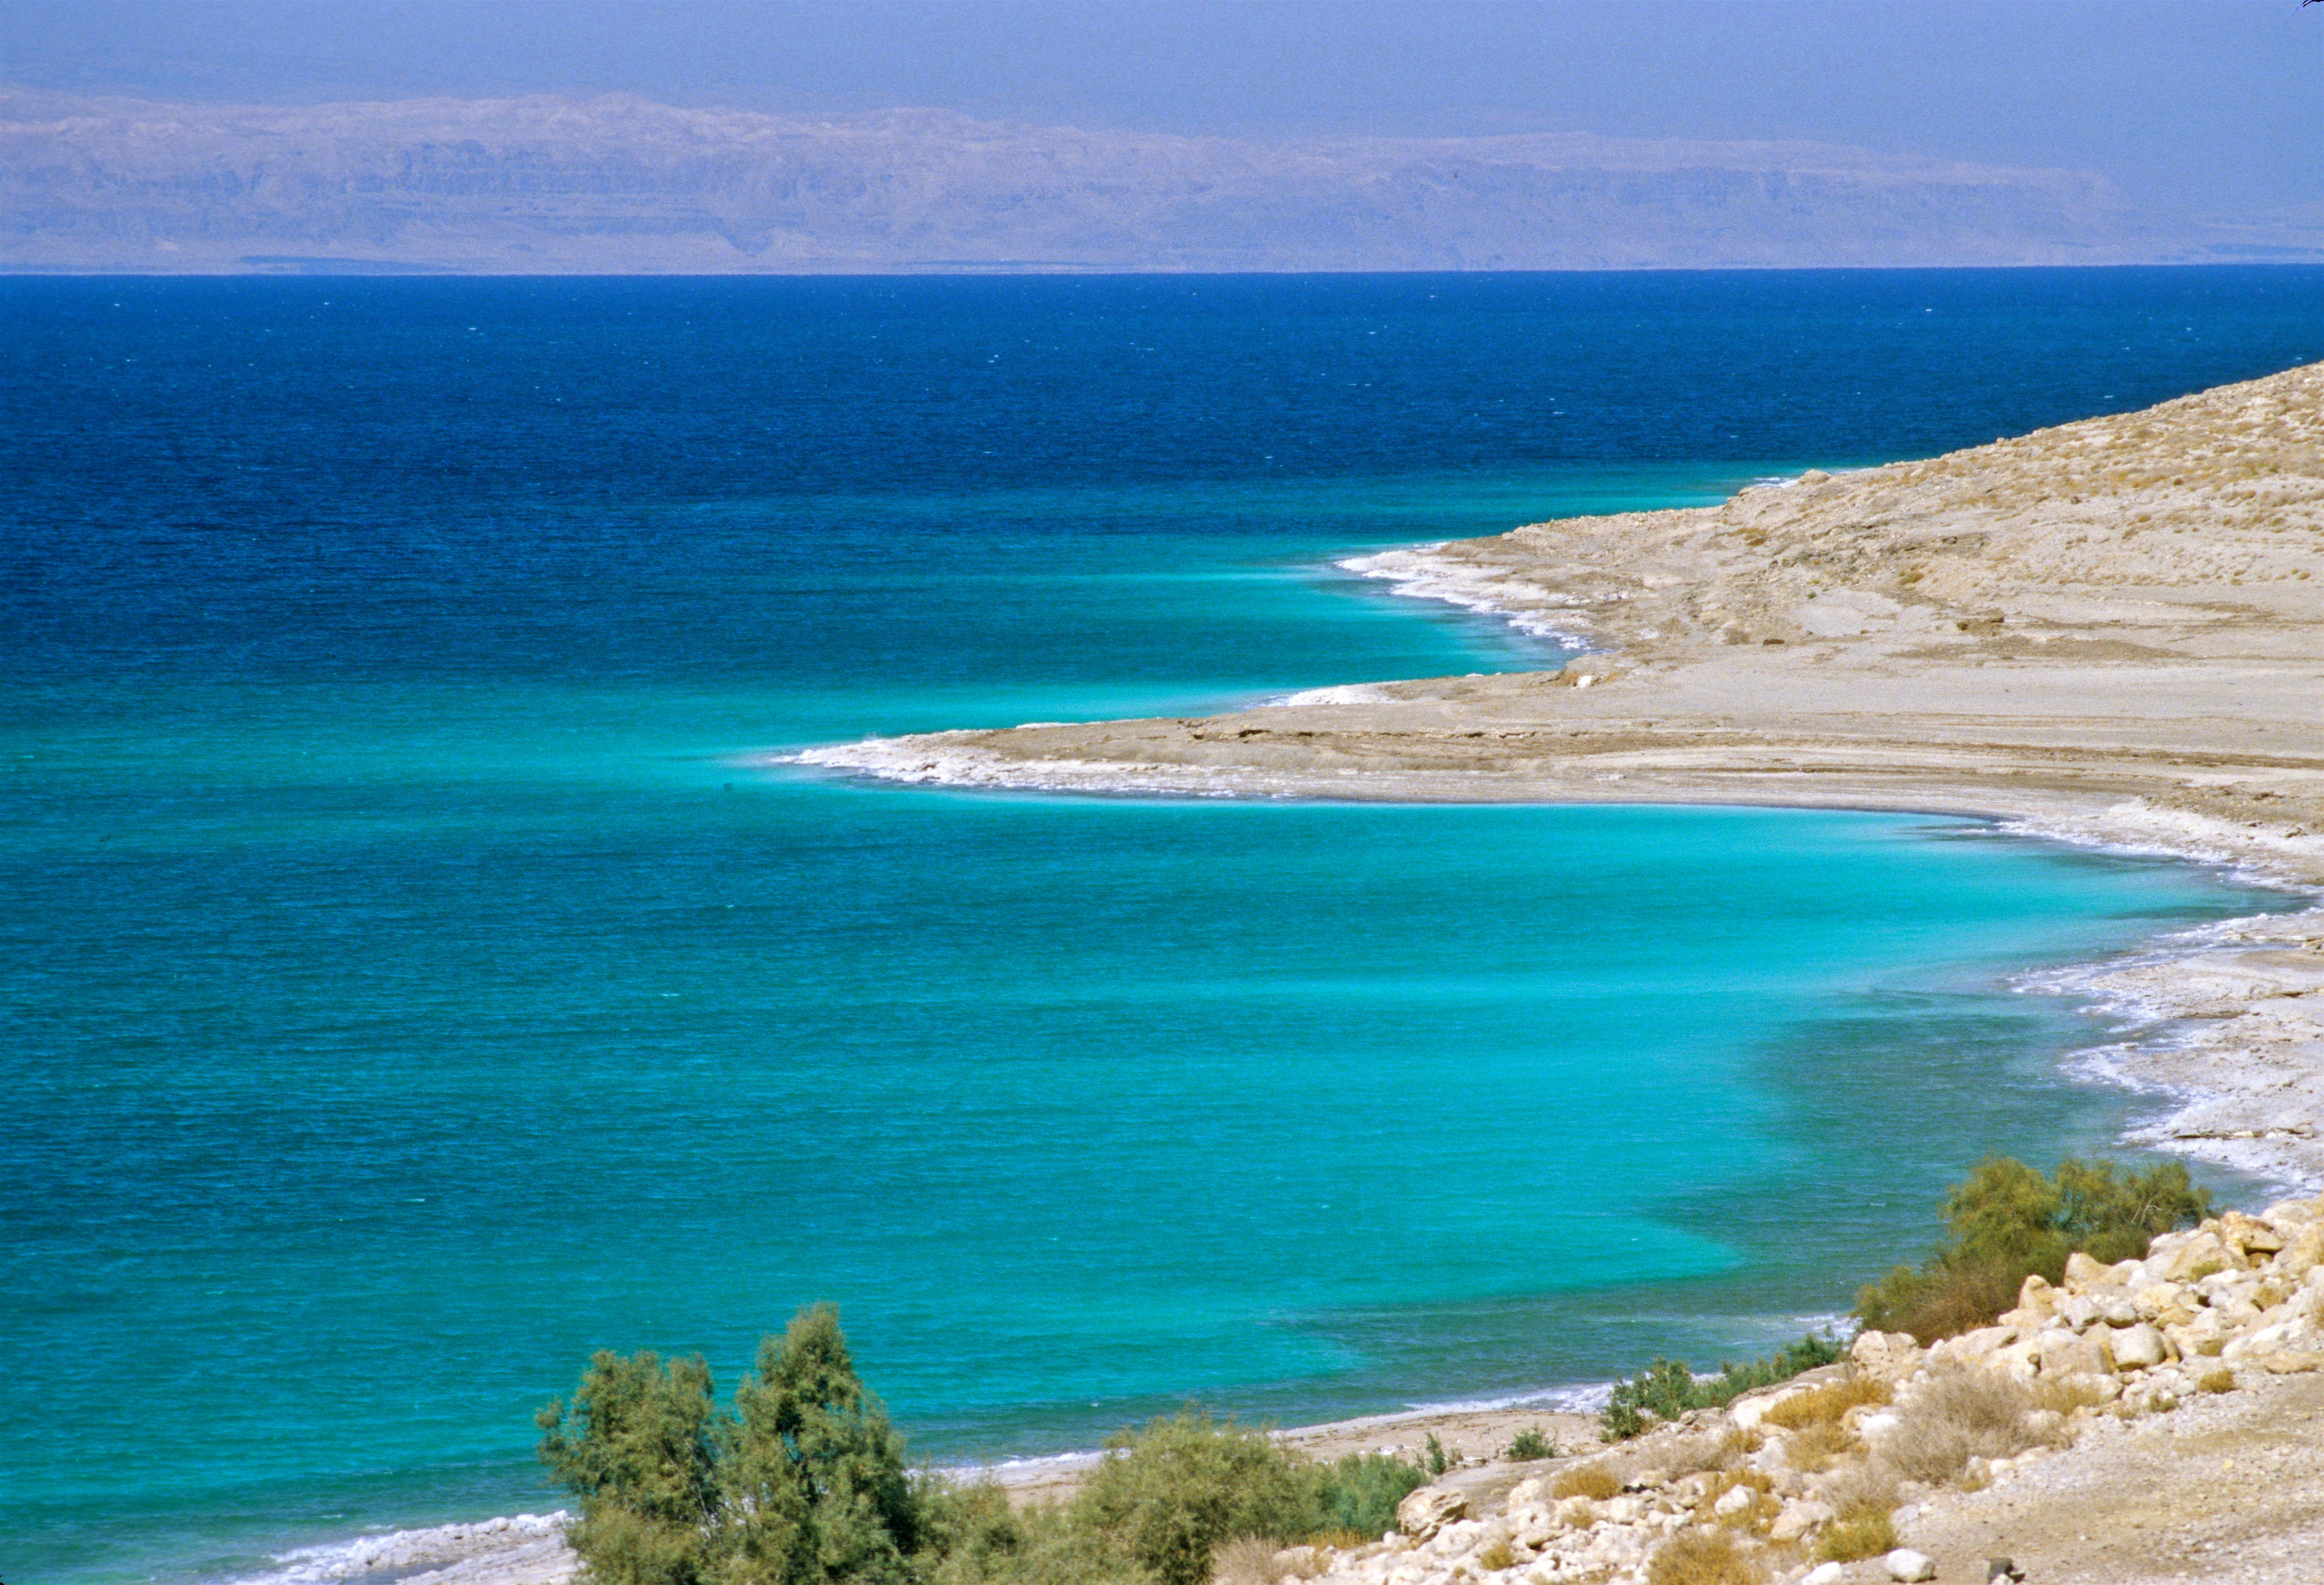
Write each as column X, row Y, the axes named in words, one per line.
column 2207, row 103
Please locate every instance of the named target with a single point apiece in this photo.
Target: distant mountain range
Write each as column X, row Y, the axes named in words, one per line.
column 618, row 185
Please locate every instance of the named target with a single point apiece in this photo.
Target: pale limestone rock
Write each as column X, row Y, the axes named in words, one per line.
column 2065, row 1353
column 1797, row 1517
column 2196, row 1257
column 2081, row 1271
column 2305, row 1253
column 1886, row 1356
column 1907, row 1565
column 2248, row 1234
column 2201, row 1338
column 1735, row 1500
column 2289, row 1217
column 2139, row 1348
column 1428, row 1510
column 2165, row 1303
column 2037, row 1301
column 2120, row 1312
column 1824, row 1574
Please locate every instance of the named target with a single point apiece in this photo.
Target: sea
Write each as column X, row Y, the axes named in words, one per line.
column 416, row 975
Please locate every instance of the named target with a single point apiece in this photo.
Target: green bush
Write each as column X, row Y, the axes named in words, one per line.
column 1172, row 1494
column 2009, row 1221
column 803, row 1484
column 1359, row 1492
column 1666, row 1389
column 639, row 1447
column 1531, row 1443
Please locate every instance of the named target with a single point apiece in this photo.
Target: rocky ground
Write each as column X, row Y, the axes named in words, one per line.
column 2151, row 1421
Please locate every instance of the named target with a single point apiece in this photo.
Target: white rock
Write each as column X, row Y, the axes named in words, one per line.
column 1429, row 1509
column 2081, row 1271
column 1907, row 1564
column 1735, row 1501
column 1886, row 1356
column 1824, row 1574
column 2139, row 1348
column 1799, row 1517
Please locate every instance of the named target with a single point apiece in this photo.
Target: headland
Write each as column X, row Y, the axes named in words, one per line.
column 2108, row 632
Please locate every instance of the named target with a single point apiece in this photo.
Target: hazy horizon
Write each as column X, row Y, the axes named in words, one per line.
column 2153, row 131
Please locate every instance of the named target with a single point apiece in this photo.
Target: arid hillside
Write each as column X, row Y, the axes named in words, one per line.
column 620, row 185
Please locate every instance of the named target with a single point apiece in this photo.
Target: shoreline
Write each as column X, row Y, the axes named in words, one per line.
column 2020, row 633
column 2109, row 633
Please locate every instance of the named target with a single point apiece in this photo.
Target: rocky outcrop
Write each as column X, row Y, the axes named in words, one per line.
column 1885, row 1438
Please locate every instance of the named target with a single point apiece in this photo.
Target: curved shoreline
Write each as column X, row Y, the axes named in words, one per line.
column 2109, row 633
column 2105, row 634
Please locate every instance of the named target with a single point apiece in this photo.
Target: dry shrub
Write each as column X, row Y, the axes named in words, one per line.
column 1958, row 1414
column 2221, row 1379
column 1763, row 1508
column 1817, row 1444
column 1704, row 1557
column 1707, row 1452
column 1825, row 1405
column 1594, row 1481
column 1852, row 1487
column 1496, row 1557
column 1247, row 1561
column 2063, row 1395
column 1857, row 1533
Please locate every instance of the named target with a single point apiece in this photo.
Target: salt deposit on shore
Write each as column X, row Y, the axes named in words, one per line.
column 2108, row 632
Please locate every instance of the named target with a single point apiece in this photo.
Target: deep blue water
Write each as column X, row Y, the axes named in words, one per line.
column 408, row 988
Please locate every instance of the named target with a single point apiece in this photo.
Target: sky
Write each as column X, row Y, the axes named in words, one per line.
column 2185, row 104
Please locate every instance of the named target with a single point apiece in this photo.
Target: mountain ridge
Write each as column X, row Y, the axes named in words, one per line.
column 619, row 184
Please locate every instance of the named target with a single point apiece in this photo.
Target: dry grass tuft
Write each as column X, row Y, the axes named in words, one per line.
column 2064, row 1394
column 2220, row 1380
column 1818, row 1445
column 1704, row 1557
column 1764, row 1505
column 1825, row 1405
column 1857, row 1533
column 1496, row 1557
column 1594, row 1481
column 1707, row 1452
column 1958, row 1414
column 1871, row 1484
column 1249, row 1560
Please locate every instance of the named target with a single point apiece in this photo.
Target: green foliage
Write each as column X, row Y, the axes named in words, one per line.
column 1531, row 1443
column 1171, row 1495
column 803, row 1484
column 1666, row 1389
column 1437, row 1459
column 638, row 1446
column 2007, row 1220
column 1359, row 1492
column 813, row 1480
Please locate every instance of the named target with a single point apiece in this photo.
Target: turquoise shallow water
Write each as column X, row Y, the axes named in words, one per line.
column 411, row 988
